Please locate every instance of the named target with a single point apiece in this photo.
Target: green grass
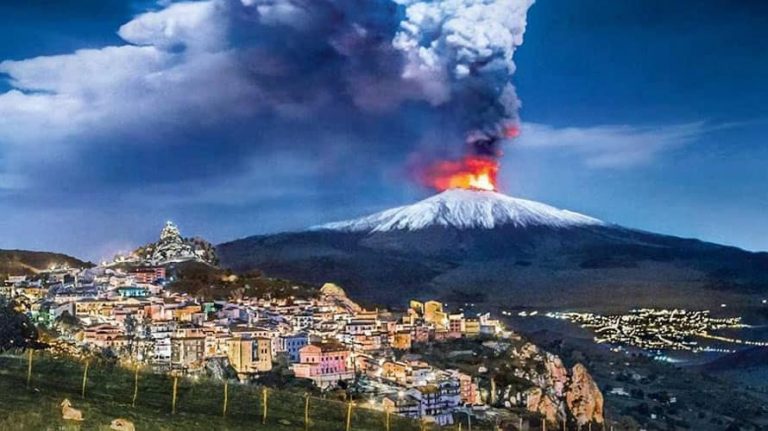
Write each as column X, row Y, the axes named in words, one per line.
column 109, row 393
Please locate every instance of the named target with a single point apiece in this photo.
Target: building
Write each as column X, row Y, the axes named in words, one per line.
column 133, row 292
column 249, row 355
column 104, row 336
column 325, row 364
column 471, row 327
column 435, row 402
column 439, row 400
column 468, row 390
column 187, row 352
column 149, row 274
column 433, row 313
column 396, row 371
column 291, row 344
column 403, row 404
column 401, row 340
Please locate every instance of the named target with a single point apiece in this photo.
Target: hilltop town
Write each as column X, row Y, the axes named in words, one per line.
column 133, row 310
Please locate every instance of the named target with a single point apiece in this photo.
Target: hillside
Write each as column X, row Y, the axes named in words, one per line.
column 109, row 392
column 25, row 262
column 211, row 283
column 468, row 246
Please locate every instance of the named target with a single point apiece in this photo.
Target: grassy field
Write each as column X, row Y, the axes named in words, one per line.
column 199, row 404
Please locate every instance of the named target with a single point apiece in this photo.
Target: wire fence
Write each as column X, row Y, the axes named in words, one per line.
column 165, row 393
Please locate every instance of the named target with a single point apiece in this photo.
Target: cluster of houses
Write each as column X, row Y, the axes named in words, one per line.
column 329, row 339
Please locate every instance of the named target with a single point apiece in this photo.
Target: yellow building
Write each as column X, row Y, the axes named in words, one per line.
column 397, row 371
column 471, row 327
column 88, row 307
column 401, row 340
column 250, row 355
column 416, row 306
column 433, row 313
column 184, row 313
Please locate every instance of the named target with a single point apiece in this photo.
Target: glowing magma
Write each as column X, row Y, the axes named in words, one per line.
column 477, row 173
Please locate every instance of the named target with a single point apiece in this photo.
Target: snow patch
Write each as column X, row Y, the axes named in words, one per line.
column 464, row 209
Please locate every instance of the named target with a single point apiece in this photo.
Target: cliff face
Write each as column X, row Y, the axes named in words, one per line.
column 558, row 393
column 545, row 404
column 583, row 397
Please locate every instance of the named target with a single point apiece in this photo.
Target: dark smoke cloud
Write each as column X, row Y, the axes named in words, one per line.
column 371, row 71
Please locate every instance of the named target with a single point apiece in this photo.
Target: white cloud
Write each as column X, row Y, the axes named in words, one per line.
column 613, row 146
column 187, row 25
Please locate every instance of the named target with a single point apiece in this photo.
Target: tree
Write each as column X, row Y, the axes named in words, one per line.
column 16, row 330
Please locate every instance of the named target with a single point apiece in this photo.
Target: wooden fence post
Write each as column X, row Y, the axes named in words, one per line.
column 265, row 400
column 135, row 386
column 226, row 398
column 349, row 416
column 29, row 368
column 85, row 378
column 175, row 387
column 306, row 413
column 387, row 418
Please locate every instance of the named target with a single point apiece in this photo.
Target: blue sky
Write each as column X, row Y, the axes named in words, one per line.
column 650, row 114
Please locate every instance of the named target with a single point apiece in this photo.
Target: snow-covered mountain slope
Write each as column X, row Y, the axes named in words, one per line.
column 465, row 209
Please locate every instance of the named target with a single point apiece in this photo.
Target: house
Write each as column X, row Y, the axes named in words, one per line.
column 187, row 351
column 149, row 274
column 104, row 336
column 439, row 400
column 325, row 364
column 403, row 404
column 433, row 313
column 396, row 371
column 471, row 327
column 250, row 355
column 291, row 344
column 468, row 390
column 456, row 323
column 401, row 340
column 435, row 402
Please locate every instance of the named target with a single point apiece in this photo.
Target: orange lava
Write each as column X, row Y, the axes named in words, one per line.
column 475, row 173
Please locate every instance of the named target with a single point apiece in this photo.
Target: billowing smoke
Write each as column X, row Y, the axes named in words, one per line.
column 455, row 55
column 247, row 80
column 468, row 47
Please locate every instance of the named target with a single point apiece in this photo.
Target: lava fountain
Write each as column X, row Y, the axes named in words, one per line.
column 470, row 172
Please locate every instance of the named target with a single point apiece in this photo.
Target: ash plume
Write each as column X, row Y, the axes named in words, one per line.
column 366, row 82
column 470, row 44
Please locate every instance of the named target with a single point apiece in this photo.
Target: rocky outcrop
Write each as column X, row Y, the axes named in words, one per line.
column 336, row 295
column 538, row 401
column 172, row 247
column 558, row 393
column 583, row 397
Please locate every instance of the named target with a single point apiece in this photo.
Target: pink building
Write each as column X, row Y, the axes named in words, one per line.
column 325, row 364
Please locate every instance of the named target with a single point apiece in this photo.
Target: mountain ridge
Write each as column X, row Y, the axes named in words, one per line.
column 539, row 262
column 29, row 262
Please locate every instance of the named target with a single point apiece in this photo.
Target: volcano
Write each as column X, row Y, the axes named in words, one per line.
column 486, row 247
